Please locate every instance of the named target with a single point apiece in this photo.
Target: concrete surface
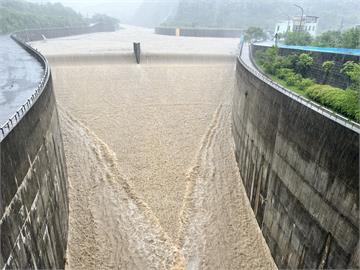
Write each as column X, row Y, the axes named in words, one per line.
column 301, row 174
column 122, row 42
column 20, row 74
column 199, row 32
column 34, row 202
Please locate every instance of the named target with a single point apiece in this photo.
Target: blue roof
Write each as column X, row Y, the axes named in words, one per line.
column 322, row 49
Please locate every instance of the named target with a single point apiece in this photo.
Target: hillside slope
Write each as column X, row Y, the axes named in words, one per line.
column 263, row 13
column 18, row 14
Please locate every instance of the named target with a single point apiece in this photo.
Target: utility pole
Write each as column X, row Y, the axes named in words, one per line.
column 302, row 15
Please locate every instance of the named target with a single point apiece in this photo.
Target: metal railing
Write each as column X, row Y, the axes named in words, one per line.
column 6, row 128
column 307, row 102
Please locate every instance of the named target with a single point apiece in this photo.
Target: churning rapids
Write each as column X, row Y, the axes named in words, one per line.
column 152, row 174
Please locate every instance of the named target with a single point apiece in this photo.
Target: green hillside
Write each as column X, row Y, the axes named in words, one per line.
column 18, row 14
column 333, row 14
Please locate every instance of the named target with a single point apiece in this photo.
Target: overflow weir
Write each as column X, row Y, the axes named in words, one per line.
column 186, row 160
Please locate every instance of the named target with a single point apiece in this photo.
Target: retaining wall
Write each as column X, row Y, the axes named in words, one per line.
column 300, row 170
column 199, row 32
column 33, row 184
column 334, row 78
column 40, row 34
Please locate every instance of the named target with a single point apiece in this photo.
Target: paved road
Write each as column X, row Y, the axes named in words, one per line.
column 20, row 74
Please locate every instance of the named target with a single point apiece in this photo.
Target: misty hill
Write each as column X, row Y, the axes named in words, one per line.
column 153, row 13
column 333, row 14
column 18, row 14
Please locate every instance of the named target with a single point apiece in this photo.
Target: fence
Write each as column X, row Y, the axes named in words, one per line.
column 315, row 106
column 11, row 123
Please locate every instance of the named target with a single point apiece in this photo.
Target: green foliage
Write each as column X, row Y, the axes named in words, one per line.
column 298, row 38
column 304, row 63
column 351, row 38
column 262, row 13
column 284, row 73
column 352, row 71
column 102, row 18
column 336, row 39
column 254, row 33
column 328, row 39
column 286, row 70
column 343, row 102
column 305, row 83
column 19, row 15
column 327, row 66
column 293, row 79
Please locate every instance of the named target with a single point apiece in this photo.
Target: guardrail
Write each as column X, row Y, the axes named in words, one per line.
column 307, row 102
column 19, row 114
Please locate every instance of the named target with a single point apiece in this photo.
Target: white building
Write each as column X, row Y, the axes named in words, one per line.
column 297, row 24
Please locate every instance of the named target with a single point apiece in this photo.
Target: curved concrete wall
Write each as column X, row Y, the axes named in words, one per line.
column 199, row 32
column 33, row 181
column 300, row 170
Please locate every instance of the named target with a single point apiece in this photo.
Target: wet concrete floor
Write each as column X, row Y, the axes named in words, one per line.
column 20, row 74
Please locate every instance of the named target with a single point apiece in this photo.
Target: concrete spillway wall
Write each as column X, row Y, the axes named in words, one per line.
column 301, row 174
column 40, row 34
column 33, row 180
column 335, row 77
column 199, row 32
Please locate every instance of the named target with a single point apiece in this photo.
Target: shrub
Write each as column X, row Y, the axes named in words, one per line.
column 305, row 83
column 283, row 73
column 291, row 60
column 293, row 79
column 344, row 102
column 269, row 68
column 352, row 71
column 327, row 66
column 298, row 38
column 304, row 63
column 260, row 57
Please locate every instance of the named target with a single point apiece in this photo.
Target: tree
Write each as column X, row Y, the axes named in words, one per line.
column 298, row 38
column 304, row 63
column 336, row 39
column 254, row 33
column 102, row 18
column 351, row 38
column 327, row 67
column 328, row 39
column 352, row 71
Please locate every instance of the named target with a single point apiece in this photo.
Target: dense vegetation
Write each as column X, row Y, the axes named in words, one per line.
column 18, row 14
column 335, row 39
column 292, row 71
column 262, row 13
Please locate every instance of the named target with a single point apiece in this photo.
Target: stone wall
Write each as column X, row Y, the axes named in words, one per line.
column 334, row 78
column 200, row 32
column 300, row 170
